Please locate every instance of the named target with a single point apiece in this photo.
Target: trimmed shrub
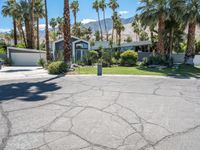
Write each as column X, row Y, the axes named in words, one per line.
column 157, row 60
column 21, row 45
column 7, row 62
column 42, row 62
column 2, row 51
column 129, row 58
column 57, row 67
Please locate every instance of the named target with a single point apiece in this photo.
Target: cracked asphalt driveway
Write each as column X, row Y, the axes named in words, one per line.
column 100, row 113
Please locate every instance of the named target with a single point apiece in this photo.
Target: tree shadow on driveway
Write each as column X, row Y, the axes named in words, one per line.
column 28, row 91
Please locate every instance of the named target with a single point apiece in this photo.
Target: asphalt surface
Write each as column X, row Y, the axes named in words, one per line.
column 100, row 113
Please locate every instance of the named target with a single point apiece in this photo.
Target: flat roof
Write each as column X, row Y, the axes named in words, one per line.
column 105, row 44
column 25, row 50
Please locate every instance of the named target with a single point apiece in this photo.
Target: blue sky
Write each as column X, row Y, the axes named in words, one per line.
column 55, row 9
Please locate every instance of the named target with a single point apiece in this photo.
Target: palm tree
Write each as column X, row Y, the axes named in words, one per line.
column 24, row 8
column 33, row 23
column 156, row 11
column 113, row 5
column 53, row 24
column 66, row 31
column 75, row 8
column 102, row 6
column 39, row 13
column 9, row 9
column 96, row 7
column 192, row 16
column 119, row 28
column 60, row 25
column 48, row 56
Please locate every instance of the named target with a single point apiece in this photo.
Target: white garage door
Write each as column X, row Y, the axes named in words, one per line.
column 25, row 59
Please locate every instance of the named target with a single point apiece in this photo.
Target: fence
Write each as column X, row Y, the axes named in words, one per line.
column 177, row 58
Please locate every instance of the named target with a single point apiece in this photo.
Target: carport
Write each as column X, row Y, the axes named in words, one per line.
column 24, row 57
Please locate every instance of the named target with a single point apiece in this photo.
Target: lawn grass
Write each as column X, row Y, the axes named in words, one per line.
column 182, row 71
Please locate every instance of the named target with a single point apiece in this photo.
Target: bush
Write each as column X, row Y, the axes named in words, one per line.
column 57, row 67
column 92, row 57
column 106, row 59
column 42, row 62
column 7, row 62
column 129, row 58
column 21, row 45
column 157, row 60
column 2, row 51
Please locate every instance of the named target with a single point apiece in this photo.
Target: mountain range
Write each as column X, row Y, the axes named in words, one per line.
column 128, row 32
column 95, row 25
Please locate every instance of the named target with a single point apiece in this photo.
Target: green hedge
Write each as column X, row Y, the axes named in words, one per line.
column 57, row 67
column 128, row 58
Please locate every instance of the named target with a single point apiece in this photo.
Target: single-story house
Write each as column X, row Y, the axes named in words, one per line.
column 79, row 48
column 144, row 46
column 25, row 57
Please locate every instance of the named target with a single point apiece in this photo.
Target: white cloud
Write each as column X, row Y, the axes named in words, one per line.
column 42, row 26
column 85, row 21
column 124, row 12
column 5, row 30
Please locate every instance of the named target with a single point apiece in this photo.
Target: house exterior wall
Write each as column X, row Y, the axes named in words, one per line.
column 25, row 57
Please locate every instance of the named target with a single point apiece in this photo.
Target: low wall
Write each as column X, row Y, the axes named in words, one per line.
column 178, row 58
column 142, row 55
column 3, row 56
column 197, row 60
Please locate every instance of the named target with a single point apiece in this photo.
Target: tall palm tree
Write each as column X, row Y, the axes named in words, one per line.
column 75, row 8
column 60, row 25
column 53, row 24
column 102, row 6
column 39, row 13
column 9, row 9
column 113, row 5
column 33, row 23
column 66, row 31
column 48, row 56
column 119, row 28
column 156, row 10
column 96, row 7
column 192, row 16
column 24, row 8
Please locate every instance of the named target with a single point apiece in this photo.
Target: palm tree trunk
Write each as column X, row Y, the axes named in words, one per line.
column 190, row 52
column 48, row 56
column 75, row 18
column 67, row 35
column 112, row 31
column 23, row 34
column 100, row 26
column 32, row 24
column 38, row 34
column 15, row 31
column 171, row 37
column 28, row 33
column 104, row 18
column 161, row 29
